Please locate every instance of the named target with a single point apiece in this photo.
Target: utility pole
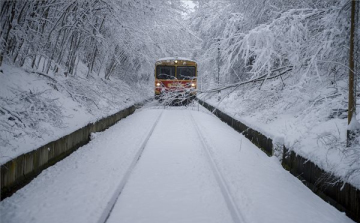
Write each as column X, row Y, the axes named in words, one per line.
column 218, row 68
column 352, row 87
column 218, row 63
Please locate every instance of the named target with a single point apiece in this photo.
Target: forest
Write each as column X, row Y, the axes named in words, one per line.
column 280, row 66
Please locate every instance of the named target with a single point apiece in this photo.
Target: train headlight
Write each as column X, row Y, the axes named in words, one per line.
column 158, row 84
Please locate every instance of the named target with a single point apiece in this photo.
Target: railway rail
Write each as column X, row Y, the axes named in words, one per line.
column 235, row 212
column 110, row 206
column 236, row 215
column 231, row 205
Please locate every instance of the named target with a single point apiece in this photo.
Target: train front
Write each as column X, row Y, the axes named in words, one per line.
column 175, row 80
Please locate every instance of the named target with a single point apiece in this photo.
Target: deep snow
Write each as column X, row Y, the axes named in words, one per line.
column 309, row 121
column 173, row 180
column 36, row 108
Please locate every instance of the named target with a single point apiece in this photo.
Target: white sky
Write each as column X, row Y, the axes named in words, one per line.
column 190, row 5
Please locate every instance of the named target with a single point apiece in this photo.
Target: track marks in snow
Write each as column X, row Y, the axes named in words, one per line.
column 110, row 206
column 172, row 181
column 79, row 188
column 236, row 215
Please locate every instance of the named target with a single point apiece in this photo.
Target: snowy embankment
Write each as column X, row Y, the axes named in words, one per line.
column 309, row 121
column 36, row 108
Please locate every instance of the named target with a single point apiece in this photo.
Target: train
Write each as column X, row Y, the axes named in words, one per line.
column 175, row 80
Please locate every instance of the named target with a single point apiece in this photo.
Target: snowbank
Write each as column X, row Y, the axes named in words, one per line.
column 36, row 108
column 308, row 120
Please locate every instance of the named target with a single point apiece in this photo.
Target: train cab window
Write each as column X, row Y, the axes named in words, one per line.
column 165, row 72
column 186, row 73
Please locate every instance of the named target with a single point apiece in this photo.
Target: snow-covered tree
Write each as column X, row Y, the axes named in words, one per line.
column 258, row 37
column 118, row 37
column 282, row 58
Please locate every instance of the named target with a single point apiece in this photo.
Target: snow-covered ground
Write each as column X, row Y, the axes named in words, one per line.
column 36, row 108
column 310, row 120
column 173, row 181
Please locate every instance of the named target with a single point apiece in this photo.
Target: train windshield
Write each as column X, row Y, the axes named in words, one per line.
column 165, row 72
column 186, row 73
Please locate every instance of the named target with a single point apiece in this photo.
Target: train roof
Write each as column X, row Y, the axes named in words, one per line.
column 175, row 58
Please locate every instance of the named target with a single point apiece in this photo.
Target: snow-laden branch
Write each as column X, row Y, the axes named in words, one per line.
column 262, row 78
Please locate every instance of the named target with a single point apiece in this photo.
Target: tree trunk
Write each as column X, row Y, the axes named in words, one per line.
column 16, row 52
column 352, row 93
column 6, row 39
column 92, row 61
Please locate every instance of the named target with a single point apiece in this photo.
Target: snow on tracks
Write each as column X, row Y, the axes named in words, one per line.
column 118, row 191
column 262, row 189
column 78, row 188
column 236, row 215
column 172, row 181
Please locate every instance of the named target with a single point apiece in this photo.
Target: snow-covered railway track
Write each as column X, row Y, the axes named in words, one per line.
column 181, row 177
column 110, row 205
column 219, row 181
column 235, row 212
